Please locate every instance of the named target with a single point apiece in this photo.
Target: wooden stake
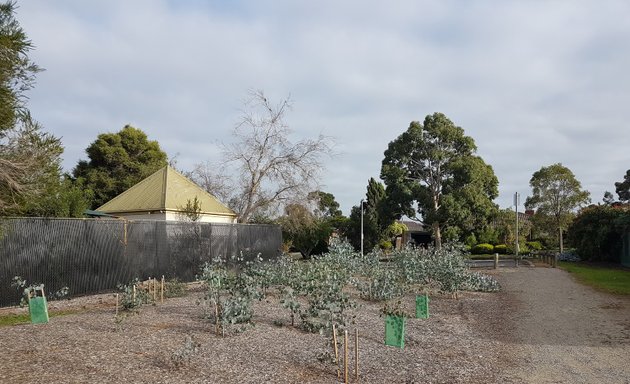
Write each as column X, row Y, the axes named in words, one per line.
column 154, row 290
column 345, row 357
column 162, row 291
column 116, row 305
column 356, row 354
column 336, row 351
column 216, row 315
column 134, row 294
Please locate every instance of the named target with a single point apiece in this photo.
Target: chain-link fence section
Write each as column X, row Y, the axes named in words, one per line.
column 94, row 255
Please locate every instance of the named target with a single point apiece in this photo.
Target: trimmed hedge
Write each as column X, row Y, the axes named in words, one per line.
column 482, row 249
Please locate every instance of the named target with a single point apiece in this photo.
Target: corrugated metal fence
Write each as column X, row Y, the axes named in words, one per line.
column 93, row 255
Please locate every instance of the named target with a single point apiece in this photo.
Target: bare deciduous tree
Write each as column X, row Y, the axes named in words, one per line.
column 214, row 180
column 271, row 168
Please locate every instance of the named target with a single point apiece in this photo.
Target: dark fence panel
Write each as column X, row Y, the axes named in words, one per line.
column 625, row 250
column 92, row 255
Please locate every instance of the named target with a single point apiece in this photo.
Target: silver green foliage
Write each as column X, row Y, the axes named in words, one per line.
column 442, row 269
column 185, row 353
column 231, row 286
column 130, row 300
column 481, row 283
column 22, row 286
column 315, row 292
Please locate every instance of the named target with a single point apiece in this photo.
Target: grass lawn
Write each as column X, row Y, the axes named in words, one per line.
column 25, row 318
column 607, row 279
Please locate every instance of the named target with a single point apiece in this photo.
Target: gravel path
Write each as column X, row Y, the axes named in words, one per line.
column 564, row 332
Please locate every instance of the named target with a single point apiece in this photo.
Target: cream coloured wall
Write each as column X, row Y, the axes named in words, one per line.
column 175, row 216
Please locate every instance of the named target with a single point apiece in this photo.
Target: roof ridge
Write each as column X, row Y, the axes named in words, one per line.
column 164, row 186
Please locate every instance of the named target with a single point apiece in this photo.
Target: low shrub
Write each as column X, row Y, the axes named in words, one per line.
column 481, row 283
column 132, row 297
column 385, row 245
column 21, row 285
column 185, row 353
column 568, row 256
column 501, row 249
column 482, row 249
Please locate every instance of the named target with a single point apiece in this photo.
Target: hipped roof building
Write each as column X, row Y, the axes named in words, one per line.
column 164, row 196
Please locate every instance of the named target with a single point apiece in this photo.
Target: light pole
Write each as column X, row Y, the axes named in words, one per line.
column 516, row 202
column 362, row 200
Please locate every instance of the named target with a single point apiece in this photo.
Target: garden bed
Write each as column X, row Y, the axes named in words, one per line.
column 460, row 343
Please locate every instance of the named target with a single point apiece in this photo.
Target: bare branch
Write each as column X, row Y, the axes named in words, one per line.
column 273, row 169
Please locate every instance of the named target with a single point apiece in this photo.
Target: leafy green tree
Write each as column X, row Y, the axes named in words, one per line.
column 32, row 161
column 117, row 162
column 376, row 218
column 29, row 157
column 608, row 198
column 304, row 230
column 327, row 206
column 72, row 198
column 30, row 170
column 556, row 194
column 434, row 166
column 596, row 233
column 505, row 229
column 623, row 188
column 17, row 71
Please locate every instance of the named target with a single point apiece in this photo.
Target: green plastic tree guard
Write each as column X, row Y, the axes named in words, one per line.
column 37, row 305
column 422, row 307
column 395, row 331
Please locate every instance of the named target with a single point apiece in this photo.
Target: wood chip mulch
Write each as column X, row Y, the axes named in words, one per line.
column 463, row 341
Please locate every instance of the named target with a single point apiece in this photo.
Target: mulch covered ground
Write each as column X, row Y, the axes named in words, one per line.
column 463, row 341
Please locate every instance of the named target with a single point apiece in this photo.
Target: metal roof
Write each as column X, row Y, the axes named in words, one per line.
column 165, row 190
column 414, row 226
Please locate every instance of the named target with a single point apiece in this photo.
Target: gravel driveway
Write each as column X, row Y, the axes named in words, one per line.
column 564, row 332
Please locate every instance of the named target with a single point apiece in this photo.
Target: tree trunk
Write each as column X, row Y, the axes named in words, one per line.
column 438, row 235
column 561, row 240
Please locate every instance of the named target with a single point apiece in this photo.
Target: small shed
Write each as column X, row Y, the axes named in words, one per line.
column 416, row 234
column 163, row 196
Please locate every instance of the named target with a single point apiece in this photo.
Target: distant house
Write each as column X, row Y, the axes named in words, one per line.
column 163, row 196
column 416, row 234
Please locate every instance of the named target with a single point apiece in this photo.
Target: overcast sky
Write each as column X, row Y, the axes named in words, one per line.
column 533, row 82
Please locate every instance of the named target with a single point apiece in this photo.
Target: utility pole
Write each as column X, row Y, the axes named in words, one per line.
column 516, row 203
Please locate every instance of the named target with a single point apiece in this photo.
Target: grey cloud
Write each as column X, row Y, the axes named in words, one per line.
column 533, row 83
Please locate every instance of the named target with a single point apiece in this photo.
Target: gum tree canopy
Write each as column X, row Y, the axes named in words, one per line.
column 556, row 193
column 433, row 166
column 623, row 188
